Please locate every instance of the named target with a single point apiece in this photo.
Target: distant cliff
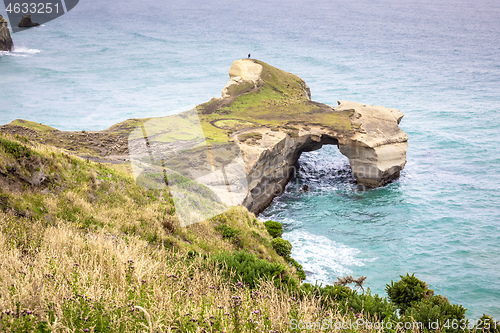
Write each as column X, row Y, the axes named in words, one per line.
column 6, row 43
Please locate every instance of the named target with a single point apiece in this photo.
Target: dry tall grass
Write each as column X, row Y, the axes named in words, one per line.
column 99, row 282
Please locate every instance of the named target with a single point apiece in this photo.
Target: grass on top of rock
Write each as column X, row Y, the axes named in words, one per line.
column 281, row 98
column 254, row 136
column 33, row 125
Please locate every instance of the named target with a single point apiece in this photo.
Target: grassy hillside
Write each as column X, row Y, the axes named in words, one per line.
column 70, row 226
column 42, row 183
column 84, row 249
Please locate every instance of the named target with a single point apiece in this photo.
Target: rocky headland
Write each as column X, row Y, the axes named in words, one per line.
column 6, row 43
column 265, row 116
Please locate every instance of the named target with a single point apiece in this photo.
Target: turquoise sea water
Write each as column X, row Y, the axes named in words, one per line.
column 437, row 61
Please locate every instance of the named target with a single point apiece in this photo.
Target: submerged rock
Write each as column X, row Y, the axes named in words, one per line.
column 6, row 43
column 304, row 188
column 26, row 22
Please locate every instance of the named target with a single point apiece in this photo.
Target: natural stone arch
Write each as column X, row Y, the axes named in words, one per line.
column 376, row 152
column 369, row 136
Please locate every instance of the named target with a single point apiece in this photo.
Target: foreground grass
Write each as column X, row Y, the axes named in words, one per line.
column 97, row 282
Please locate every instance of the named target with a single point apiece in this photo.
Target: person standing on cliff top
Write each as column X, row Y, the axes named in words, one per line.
column 249, row 56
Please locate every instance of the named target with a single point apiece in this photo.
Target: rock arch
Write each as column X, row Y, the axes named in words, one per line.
column 376, row 151
column 267, row 119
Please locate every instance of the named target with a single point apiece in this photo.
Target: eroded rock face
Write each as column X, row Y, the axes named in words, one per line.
column 244, row 75
column 270, row 160
column 376, row 149
column 6, row 43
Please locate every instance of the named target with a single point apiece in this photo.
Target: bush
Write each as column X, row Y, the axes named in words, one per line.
column 228, row 232
column 451, row 317
column 348, row 301
column 488, row 324
column 249, row 269
column 407, row 291
column 275, row 229
column 15, row 149
column 282, row 247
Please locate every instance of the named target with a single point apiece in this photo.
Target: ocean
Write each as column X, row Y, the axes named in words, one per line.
column 437, row 61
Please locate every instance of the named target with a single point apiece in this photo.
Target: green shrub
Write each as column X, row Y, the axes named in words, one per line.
column 282, row 247
column 275, row 229
column 249, row 269
column 228, row 232
column 487, row 324
column 451, row 317
column 15, row 149
column 348, row 301
column 407, row 291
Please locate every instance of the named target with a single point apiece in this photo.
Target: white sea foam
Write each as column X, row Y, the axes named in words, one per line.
column 12, row 54
column 322, row 256
column 21, row 50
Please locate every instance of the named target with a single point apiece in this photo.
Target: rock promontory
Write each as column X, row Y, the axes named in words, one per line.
column 285, row 123
column 242, row 147
column 6, row 43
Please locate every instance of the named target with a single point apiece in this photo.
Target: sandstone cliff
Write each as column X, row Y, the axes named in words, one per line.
column 6, row 43
column 368, row 135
